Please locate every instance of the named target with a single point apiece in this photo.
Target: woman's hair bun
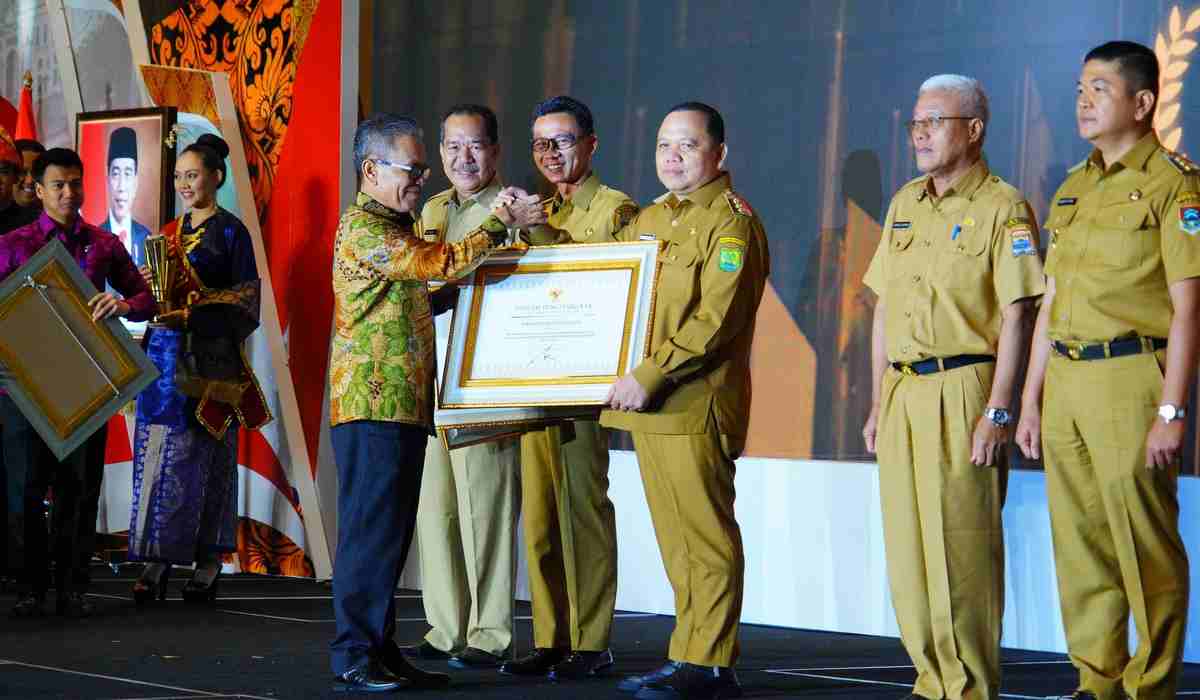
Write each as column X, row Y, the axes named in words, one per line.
column 216, row 143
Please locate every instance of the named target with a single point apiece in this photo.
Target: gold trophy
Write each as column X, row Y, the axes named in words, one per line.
column 162, row 271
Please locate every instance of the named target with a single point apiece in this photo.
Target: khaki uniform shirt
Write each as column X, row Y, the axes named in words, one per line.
column 714, row 267
column 446, row 220
column 1118, row 238
column 947, row 265
column 593, row 214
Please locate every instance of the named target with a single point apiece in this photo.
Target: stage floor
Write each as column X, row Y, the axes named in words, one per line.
column 267, row 638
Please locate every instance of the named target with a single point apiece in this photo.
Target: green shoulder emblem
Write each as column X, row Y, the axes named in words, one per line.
column 623, row 215
column 732, row 252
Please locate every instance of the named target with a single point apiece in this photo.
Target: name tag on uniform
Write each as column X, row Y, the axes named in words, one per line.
column 430, row 234
column 896, row 225
column 647, row 237
column 1066, row 202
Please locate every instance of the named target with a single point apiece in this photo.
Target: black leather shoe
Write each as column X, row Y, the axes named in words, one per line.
column 426, row 651
column 29, row 605
column 632, row 684
column 392, row 658
column 537, row 663
column 475, row 658
column 582, row 664
column 692, row 682
column 367, row 678
column 74, row 605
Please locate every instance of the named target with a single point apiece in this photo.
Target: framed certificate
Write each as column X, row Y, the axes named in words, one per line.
column 66, row 373
column 471, row 426
column 550, row 326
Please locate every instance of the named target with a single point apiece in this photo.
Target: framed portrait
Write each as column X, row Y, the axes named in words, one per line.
column 128, row 175
column 551, row 326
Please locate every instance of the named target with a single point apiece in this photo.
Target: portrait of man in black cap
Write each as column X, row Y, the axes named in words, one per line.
column 122, row 190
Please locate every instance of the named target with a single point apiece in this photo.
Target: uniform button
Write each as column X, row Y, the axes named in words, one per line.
column 674, row 222
column 916, row 278
column 907, row 314
column 928, row 243
column 674, row 257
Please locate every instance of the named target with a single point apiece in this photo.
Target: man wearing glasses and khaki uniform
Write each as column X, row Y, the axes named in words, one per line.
column 957, row 273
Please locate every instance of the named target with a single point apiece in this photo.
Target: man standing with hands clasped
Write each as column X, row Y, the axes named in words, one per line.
column 957, row 274
column 570, row 524
column 1115, row 350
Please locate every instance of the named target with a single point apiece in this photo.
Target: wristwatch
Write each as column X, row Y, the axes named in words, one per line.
column 1170, row 413
column 999, row 416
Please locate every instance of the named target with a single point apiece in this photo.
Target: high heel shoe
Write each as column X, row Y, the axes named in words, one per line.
column 196, row 593
column 145, row 590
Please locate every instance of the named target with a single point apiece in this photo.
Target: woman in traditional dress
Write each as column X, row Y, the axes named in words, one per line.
column 185, row 448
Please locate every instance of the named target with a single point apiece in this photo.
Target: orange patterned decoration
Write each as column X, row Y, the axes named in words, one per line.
column 186, row 90
column 258, row 43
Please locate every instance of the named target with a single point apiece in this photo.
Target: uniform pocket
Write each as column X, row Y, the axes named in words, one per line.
column 1119, row 235
column 963, row 264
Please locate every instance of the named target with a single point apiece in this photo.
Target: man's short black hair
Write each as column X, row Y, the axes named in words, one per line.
column 30, row 145
column 716, row 124
column 490, row 124
column 564, row 104
column 1136, row 63
column 62, row 157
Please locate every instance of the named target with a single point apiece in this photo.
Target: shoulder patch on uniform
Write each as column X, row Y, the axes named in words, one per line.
column 1181, row 162
column 1189, row 218
column 1020, row 236
column 624, row 214
column 1077, row 166
column 1188, row 197
column 731, row 257
column 738, row 204
column 1017, row 222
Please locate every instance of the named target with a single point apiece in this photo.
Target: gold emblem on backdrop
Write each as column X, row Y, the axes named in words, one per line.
column 1172, row 47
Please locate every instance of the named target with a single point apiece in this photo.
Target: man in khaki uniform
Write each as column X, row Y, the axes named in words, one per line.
column 687, row 405
column 570, row 525
column 1115, row 347
column 957, row 273
column 466, row 519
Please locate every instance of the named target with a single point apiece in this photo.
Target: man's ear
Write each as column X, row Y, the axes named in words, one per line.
column 724, row 155
column 370, row 171
column 975, row 130
column 39, row 190
column 1146, row 101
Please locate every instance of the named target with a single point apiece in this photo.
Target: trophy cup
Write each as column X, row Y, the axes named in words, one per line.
column 162, row 271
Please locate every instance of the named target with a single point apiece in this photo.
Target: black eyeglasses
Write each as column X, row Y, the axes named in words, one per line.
column 415, row 170
column 562, row 142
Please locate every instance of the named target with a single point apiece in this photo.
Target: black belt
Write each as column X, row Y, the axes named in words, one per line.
column 1112, row 348
column 939, row 364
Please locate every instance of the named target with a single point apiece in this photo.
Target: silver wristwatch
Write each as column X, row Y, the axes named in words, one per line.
column 1169, row 412
column 999, row 416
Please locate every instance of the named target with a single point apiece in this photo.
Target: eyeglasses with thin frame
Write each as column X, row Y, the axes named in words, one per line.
column 562, row 142
column 415, row 170
column 453, row 148
column 932, row 124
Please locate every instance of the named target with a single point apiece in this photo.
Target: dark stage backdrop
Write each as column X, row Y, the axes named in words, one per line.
column 814, row 95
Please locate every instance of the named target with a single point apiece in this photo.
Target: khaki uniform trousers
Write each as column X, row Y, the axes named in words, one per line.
column 689, row 487
column 466, row 532
column 942, row 530
column 1117, row 547
column 570, row 536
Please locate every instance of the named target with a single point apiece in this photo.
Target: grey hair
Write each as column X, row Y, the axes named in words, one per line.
column 974, row 99
column 374, row 137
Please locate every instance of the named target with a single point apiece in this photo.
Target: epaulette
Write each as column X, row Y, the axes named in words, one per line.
column 1077, row 166
column 1181, row 162
column 737, row 204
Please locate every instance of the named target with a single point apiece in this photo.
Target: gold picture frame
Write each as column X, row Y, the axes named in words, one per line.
column 66, row 373
column 550, row 326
